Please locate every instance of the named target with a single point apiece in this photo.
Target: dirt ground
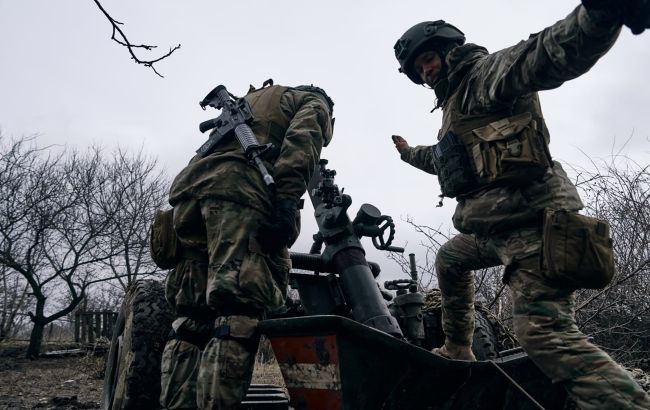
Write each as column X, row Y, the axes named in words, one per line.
column 70, row 383
column 49, row 383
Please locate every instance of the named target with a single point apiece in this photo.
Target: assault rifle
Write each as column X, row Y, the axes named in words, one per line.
column 235, row 118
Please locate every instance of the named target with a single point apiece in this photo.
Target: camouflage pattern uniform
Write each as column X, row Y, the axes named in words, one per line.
column 502, row 226
column 225, row 282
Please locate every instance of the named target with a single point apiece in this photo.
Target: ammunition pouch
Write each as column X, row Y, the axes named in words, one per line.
column 510, row 151
column 452, row 165
column 163, row 242
column 576, row 251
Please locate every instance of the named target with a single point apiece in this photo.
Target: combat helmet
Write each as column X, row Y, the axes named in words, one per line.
column 433, row 35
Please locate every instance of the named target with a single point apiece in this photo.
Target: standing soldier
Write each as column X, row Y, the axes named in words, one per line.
column 492, row 156
column 234, row 233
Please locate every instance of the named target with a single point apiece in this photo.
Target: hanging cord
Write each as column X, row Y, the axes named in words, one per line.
column 521, row 389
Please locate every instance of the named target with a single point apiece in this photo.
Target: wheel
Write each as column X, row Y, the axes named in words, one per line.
column 112, row 363
column 484, row 343
column 132, row 377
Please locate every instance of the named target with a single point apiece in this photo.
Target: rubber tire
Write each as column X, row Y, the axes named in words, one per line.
column 112, row 363
column 484, row 341
column 132, row 376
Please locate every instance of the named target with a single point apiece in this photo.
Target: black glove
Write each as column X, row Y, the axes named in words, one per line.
column 278, row 231
column 635, row 14
column 637, row 18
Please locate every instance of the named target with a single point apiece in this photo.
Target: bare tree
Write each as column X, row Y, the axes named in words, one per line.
column 433, row 239
column 618, row 317
column 134, row 182
column 64, row 219
column 120, row 38
column 51, row 231
column 104, row 296
column 13, row 302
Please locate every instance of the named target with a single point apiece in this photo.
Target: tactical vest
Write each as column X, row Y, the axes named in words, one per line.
column 269, row 124
column 479, row 151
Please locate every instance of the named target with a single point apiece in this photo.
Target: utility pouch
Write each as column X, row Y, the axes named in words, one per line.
column 452, row 164
column 163, row 243
column 576, row 250
column 509, row 152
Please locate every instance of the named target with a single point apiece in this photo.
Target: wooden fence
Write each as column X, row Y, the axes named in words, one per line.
column 90, row 326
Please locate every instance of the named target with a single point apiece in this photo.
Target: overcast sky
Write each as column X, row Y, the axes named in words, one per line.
column 61, row 77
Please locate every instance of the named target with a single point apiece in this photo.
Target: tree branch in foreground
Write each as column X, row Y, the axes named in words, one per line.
column 120, row 38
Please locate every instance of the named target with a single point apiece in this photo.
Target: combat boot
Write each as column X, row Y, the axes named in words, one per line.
column 453, row 351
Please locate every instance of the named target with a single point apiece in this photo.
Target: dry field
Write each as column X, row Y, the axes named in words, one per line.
column 52, row 383
column 73, row 382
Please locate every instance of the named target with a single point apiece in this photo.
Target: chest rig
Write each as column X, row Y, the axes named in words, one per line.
column 483, row 150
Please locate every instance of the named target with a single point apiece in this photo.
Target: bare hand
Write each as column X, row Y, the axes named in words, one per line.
column 400, row 143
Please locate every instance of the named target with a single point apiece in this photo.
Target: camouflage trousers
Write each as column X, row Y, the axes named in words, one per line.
column 214, row 376
column 238, row 272
column 543, row 318
column 223, row 274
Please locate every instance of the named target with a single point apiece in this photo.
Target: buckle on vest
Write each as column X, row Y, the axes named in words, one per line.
column 221, row 332
column 514, row 147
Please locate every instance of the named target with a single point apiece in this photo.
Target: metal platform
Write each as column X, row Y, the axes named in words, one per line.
column 331, row 362
column 265, row 396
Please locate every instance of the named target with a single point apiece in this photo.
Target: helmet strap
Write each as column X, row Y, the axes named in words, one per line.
column 441, row 86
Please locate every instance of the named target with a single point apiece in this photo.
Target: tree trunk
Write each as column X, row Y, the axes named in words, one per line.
column 35, row 340
column 36, row 337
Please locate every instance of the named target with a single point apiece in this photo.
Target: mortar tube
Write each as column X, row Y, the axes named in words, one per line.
column 362, row 293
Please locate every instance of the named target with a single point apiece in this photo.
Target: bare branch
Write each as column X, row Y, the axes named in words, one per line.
column 65, row 218
column 120, row 38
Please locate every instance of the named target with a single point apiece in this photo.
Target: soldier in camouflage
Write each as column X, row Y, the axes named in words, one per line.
column 485, row 97
column 234, row 233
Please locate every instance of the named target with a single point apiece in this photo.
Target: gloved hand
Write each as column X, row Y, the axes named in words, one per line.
column 279, row 230
column 637, row 18
column 400, row 143
column 635, row 14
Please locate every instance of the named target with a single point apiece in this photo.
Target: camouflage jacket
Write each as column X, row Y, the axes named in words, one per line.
column 298, row 123
column 483, row 84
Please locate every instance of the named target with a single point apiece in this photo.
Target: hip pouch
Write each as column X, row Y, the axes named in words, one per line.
column 453, row 167
column 508, row 152
column 576, row 250
column 163, row 243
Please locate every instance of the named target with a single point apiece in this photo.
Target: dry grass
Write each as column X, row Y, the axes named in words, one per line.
column 267, row 373
column 26, row 384
column 267, row 370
